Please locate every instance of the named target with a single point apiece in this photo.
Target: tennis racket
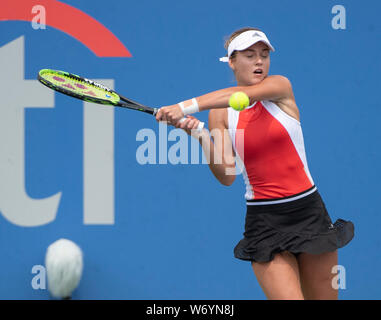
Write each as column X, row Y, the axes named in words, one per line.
column 90, row 91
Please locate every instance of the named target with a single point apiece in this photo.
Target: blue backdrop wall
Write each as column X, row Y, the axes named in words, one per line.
column 164, row 230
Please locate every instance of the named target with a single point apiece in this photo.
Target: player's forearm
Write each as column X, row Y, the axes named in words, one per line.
column 223, row 170
column 218, row 99
column 212, row 100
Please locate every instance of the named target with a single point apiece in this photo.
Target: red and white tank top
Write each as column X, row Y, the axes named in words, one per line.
column 270, row 152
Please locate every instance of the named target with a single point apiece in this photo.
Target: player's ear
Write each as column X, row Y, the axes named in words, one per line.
column 231, row 64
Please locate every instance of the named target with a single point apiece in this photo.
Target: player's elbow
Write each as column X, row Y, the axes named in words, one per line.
column 286, row 82
column 227, row 180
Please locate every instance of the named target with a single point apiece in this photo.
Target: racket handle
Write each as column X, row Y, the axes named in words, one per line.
column 199, row 127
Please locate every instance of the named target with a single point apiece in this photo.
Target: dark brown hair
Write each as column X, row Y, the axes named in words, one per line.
column 235, row 34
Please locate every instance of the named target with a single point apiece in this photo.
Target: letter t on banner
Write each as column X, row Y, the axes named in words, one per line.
column 98, row 162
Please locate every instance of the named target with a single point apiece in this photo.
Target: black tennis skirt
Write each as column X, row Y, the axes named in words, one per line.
column 296, row 226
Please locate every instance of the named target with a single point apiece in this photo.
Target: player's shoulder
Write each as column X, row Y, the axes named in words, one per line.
column 287, row 102
column 283, row 84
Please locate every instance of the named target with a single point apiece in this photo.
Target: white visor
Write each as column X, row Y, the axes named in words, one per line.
column 246, row 40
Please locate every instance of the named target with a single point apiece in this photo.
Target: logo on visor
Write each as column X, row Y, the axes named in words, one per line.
column 256, row 35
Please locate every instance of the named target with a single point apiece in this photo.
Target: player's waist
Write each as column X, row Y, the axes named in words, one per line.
column 305, row 193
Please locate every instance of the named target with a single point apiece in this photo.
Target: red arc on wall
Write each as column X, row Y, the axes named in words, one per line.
column 70, row 20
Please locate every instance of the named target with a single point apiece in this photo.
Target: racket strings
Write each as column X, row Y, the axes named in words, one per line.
column 82, row 88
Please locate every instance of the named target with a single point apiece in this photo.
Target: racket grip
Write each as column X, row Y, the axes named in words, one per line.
column 199, row 127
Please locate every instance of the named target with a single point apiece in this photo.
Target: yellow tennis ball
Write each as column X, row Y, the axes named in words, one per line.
column 239, row 101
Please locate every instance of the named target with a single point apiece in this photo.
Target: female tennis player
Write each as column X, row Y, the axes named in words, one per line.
column 289, row 236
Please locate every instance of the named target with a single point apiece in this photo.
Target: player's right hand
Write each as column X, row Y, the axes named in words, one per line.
column 171, row 114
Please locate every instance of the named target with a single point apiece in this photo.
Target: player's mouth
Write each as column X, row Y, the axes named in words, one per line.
column 258, row 72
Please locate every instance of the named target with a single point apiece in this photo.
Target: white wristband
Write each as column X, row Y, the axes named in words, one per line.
column 193, row 108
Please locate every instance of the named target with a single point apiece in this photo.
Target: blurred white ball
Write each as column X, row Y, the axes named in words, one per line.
column 64, row 265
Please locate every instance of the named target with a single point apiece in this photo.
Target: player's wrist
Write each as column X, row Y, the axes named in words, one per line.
column 189, row 106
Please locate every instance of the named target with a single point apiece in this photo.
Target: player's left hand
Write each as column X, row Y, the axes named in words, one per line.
column 172, row 114
column 190, row 126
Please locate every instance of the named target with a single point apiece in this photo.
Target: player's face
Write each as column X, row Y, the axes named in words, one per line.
column 247, row 62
